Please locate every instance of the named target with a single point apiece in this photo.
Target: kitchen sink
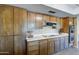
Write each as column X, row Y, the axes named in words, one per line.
column 48, row 35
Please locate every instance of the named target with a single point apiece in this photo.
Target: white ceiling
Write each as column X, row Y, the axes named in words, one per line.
column 61, row 10
column 69, row 8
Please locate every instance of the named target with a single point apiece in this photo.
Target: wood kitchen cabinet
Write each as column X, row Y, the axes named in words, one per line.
column 6, row 45
column 20, row 28
column 65, row 22
column 33, row 48
column 53, row 19
column 47, row 46
column 37, row 47
column 45, row 19
column 20, row 21
column 19, row 45
column 39, row 21
column 65, row 25
column 6, row 20
column 43, row 47
column 71, row 20
column 51, row 46
column 59, row 23
column 31, row 21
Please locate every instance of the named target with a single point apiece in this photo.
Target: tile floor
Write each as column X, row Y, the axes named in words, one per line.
column 69, row 51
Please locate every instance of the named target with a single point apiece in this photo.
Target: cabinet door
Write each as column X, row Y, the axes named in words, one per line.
column 31, row 21
column 65, row 25
column 71, row 20
column 66, row 42
column 39, row 21
column 6, row 45
column 57, row 45
column 50, row 46
column 20, row 21
column 59, row 23
column 6, row 20
column 43, row 47
column 62, row 43
column 53, row 19
column 19, row 45
column 45, row 19
column 33, row 48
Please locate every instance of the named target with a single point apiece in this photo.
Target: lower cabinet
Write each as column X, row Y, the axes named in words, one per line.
column 62, row 43
column 40, row 47
column 51, row 46
column 43, row 47
column 47, row 46
column 6, row 45
column 57, row 45
column 66, row 42
column 37, row 47
column 33, row 48
column 19, row 45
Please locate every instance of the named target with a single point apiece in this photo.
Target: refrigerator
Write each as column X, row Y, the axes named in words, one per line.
column 71, row 35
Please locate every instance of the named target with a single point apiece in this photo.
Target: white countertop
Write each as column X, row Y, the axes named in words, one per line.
column 46, row 37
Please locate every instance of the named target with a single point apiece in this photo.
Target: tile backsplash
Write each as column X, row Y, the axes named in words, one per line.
column 45, row 31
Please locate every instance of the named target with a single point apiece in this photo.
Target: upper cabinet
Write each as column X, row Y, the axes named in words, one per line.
column 53, row 19
column 45, row 19
column 39, row 21
column 71, row 20
column 20, row 21
column 6, row 20
column 31, row 21
column 59, row 23
column 65, row 24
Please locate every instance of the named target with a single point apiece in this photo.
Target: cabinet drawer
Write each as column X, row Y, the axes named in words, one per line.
column 33, row 52
column 32, row 43
column 33, row 47
column 43, row 41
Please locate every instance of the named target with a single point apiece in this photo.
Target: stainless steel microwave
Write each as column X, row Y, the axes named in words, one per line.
column 53, row 24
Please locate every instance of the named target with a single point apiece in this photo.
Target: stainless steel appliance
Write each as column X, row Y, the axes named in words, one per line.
column 71, row 35
column 53, row 24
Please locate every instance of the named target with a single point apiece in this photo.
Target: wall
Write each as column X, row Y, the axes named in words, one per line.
column 78, row 28
column 76, row 23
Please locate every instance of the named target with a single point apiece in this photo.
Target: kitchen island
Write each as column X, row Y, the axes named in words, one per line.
column 47, row 45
